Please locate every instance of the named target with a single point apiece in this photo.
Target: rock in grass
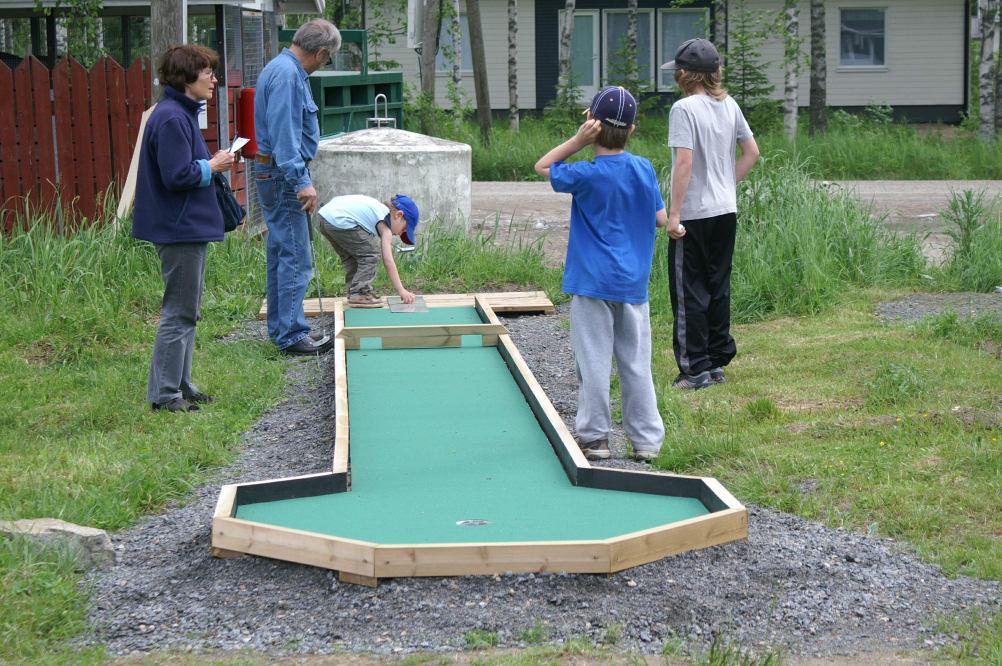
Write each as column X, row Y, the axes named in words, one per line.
column 90, row 547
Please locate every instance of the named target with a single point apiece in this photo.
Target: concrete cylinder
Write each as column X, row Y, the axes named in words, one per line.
column 382, row 162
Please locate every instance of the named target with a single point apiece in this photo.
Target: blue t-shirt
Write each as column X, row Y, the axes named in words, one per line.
column 613, row 222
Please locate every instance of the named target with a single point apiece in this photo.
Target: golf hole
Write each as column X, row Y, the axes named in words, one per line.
column 472, row 522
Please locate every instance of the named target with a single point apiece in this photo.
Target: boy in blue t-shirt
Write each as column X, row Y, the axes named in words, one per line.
column 615, row 210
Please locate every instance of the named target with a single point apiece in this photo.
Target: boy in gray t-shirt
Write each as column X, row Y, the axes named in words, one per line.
column 704, row 128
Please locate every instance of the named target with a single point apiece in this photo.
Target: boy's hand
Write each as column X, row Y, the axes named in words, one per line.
column 675, row 228
column 406, row 296
column 588, row 132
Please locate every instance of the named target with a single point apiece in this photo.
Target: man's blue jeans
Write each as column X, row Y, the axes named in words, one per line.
column 289, row 264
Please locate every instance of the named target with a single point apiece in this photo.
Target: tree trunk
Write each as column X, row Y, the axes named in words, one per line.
column 791, row 63
column 566, row 33
column 631, row 69
column 457, row 45
column 986, row 78
column 819, row 69
column 513, row 65
column 998, row 69
column 166, row 28
column 479, row 68
column 457, row 60
column 429, row 47
column 719, row 29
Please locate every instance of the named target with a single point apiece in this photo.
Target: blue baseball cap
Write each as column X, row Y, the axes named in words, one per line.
column 614, row 106
column 406, row 205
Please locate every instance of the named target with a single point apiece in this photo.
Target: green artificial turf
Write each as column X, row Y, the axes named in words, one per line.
column 433, row 317
column 444, row 435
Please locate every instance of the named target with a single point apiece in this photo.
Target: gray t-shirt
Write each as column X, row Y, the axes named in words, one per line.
column 711, row 129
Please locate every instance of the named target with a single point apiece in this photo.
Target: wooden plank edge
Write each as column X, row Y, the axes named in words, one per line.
column 697, row 533
column 342, row 427
column 226, row 505
column 492, row 558
column 516, row 302
column 292, row 545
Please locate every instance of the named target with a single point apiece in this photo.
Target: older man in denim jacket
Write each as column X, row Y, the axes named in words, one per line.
column 287, row 133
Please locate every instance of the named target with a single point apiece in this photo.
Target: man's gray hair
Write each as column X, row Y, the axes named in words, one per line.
column 318, row 34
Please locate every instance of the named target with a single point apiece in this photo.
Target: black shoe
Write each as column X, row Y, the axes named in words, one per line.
column 199, row 397
column 692, row 382
column 175, row 405
column 308, row 346
column 318, row 337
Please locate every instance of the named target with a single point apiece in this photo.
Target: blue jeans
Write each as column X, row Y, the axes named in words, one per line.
column 289, row 263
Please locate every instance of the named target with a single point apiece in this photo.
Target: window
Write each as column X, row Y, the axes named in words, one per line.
column 617, row 25
column 863, row 33
column 443, row 65
column 676, row 26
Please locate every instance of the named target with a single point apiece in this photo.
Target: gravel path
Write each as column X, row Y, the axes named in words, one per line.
column 918, row 306
column 794, row 584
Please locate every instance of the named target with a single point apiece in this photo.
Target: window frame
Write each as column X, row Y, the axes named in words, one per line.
column 447, row 72
column 585, row 92
column 665, row 57
column 843, row 67
column 604, row 43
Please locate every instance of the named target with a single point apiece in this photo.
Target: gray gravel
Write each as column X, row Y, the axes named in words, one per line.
column 918, row 306
column 794, row 585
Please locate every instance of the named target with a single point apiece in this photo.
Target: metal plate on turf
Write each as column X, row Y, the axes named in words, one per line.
column 397, row 305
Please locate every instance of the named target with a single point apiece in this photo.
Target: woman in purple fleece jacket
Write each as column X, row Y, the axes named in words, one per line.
column 176, row 210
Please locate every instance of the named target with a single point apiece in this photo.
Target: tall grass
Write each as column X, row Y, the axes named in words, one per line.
column 975, row 263
column 801, row 246
column 850, row 150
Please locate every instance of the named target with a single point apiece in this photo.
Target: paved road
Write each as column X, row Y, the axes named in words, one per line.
column 532, row 211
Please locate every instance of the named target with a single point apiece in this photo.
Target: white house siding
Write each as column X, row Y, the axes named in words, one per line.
column 494, row 15
column 923, row 53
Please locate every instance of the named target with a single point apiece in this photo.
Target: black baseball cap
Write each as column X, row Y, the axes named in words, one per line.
column 695, row 55
column 614, row 106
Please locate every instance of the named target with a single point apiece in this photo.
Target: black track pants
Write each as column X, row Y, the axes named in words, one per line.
column 699, row 278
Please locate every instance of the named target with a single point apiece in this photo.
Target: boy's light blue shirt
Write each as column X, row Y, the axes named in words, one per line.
column 285, row 118
column 354, row 210
column 610, row 248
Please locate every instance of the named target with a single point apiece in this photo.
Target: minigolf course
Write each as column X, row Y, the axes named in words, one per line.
column 449, row 460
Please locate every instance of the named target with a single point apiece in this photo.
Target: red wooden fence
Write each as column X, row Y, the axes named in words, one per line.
column 67, row 136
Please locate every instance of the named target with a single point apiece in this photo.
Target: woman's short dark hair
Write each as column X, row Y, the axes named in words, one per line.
column 613, row 138
column 182, row 63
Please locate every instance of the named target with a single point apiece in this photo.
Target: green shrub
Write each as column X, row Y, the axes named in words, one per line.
column 975, row 263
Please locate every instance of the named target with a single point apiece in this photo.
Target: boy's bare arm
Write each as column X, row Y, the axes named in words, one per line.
column 585, row 136
column 681, row 173
column 749, row 155
column 386, row 246
column 661, row 219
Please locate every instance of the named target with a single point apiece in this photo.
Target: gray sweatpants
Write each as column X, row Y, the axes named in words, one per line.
column 599, row 330
column 360, row 254
column 183, row 269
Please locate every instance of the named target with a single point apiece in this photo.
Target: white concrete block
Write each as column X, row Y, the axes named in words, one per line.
column 379, row 163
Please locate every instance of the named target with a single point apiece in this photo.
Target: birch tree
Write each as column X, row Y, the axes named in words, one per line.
column 513, row 65
column 819, row 69
column 456, row 83
column 791, row 63
column 566, row 34
column 986, row 78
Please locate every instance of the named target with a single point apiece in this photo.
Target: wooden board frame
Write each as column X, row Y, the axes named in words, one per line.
column 365, row 562
column 524, row 302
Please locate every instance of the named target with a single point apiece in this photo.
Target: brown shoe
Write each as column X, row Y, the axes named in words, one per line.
column 597, row 450
column 365, row 301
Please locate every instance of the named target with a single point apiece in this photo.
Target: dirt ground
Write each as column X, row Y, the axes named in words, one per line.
column 533, row 212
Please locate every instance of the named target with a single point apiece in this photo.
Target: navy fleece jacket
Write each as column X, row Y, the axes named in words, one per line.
column 175, row 199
